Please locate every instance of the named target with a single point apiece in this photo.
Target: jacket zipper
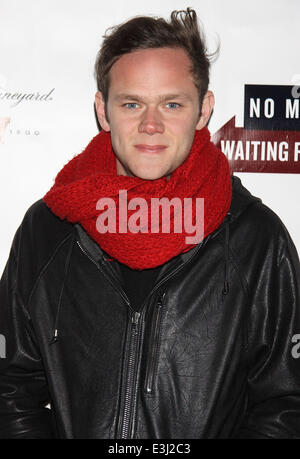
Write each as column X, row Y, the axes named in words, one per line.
column 154, row 343
column 130, row 379
column 125, row 422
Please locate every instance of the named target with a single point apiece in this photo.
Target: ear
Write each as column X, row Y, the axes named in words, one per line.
column 100, row 110
column 207, row 107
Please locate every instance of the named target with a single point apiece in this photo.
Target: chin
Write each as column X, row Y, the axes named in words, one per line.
column 148, row 175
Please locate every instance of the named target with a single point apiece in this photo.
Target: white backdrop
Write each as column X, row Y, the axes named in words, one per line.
column 47, row 54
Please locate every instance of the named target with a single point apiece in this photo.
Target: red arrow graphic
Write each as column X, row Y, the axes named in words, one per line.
column 259, row 151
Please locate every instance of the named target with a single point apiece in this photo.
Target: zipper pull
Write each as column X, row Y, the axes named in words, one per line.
column 161, row 300
column 135, row 318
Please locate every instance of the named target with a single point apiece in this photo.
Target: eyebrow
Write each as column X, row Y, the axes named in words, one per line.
column 161, row 98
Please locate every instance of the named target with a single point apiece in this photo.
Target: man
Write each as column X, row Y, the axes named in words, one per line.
column 132, row 333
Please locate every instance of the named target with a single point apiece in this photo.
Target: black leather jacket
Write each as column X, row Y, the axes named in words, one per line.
column 211, row 354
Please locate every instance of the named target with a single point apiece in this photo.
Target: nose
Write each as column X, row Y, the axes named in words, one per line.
column 151, row 122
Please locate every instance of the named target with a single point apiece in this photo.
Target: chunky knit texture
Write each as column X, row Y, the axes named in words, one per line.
column 92, row 175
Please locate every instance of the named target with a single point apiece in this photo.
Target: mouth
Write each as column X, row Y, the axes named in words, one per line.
column 144, row 148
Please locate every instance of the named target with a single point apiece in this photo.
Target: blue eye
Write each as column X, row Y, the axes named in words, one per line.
column 131, row 105
column 173, row 105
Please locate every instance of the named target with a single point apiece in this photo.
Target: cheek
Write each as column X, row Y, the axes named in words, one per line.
column 184, row 139
column 125, row 130
column 121, row 141
column 181, row 125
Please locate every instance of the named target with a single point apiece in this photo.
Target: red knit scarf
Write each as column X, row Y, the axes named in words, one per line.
column 92, row 175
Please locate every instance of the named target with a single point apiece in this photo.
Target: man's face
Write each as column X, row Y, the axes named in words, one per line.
column 152, row 111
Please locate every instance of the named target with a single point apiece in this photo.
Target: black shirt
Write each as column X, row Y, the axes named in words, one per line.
column 138, row 284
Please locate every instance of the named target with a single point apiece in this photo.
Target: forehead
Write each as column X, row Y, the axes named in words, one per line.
column 152, row 70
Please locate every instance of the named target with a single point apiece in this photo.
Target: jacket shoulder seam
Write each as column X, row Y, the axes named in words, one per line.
column 45, row 266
